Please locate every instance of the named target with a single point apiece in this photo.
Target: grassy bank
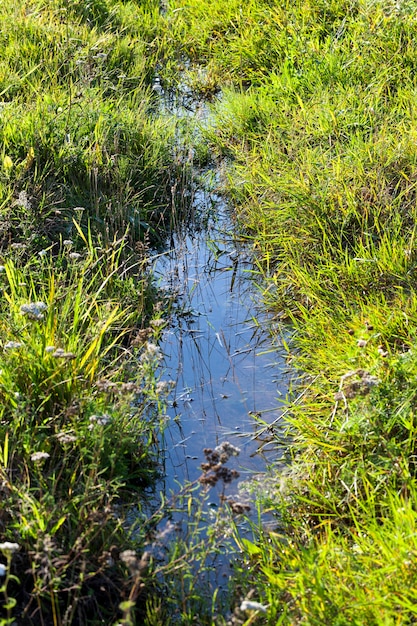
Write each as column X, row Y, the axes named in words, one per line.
column 86, row 175
column 317, row 121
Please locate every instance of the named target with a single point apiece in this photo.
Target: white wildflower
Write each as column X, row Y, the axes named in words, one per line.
column 49, row 349
column 74, row 256
column 128, row 557
column 42, row 253
column 101, row 420
column 13, row 345
column 23, row 200
column 3, row 569
column 8, row 547
column 66, row 438
column 157, row 323
column 34, row 310
column 249, row 605
column 226, row 450
column 162, row 387
column 39, row 456
column 61, row 354
column 152, row 351
column 67, row 242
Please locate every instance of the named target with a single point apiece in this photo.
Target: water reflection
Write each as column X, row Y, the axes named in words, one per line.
column 217, row 350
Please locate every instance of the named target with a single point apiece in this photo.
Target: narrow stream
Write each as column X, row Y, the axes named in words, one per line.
column 230, row 380
column 217, row 349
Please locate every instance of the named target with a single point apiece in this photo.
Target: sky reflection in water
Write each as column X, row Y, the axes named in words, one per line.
column 220, row 357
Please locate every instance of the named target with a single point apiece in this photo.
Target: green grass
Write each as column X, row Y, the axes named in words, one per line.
column 72, row 383
column 86, row 173
column 77, row 125
column 316, row 126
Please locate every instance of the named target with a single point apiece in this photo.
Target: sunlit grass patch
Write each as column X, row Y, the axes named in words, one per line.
column 316, row 133
column 78, row 122
column 364, row 576
column 94, row 154
column 318, row 139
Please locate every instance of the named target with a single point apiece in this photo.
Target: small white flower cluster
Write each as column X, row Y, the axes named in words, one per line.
column 135, row 565
column 66, row 438
column 59, row 353
column 162, row 387
column 157, row 323
column 225, row 450
column 100, row 420
column 8, row 547
column 109, row 386
column 151, row 352
column 34, row 310
column 39, row 456
column 13, row 345
column 251, row 605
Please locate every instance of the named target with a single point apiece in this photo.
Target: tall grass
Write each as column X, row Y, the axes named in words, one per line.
column 316, row 125
column 86, row 174
column 69, row 391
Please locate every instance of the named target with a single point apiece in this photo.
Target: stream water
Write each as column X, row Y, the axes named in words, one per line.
column 230, row 378
column 217, row 349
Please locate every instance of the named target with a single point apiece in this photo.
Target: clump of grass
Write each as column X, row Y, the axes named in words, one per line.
column 69, row 391
column 365, row 575
column 78, row 123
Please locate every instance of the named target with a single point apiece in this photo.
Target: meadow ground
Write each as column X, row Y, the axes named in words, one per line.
column 313, row 112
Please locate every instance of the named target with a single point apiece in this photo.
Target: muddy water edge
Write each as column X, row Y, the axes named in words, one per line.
column 228, row 377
